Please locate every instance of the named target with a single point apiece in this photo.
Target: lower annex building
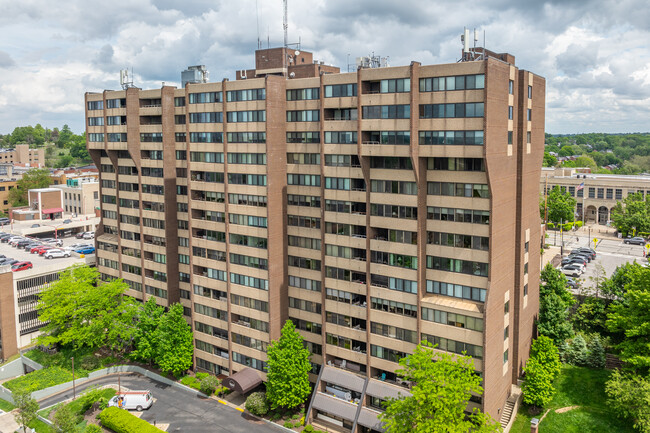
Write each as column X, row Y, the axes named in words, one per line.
column 374, row 209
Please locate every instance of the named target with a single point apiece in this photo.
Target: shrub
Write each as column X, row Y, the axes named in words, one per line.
column 209, row 384
column 93, row 428
column 596, row 358
column 578, row 224
column 191, row 381
column 121, row 421
column 288, row 424
column 256, row 404
column 276, row 416
column 308, row 429
column 296, row 416
column 90, row 362
column 577, row 353
column 201, row 375
column 550, row 225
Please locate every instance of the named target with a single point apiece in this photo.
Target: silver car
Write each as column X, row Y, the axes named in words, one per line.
column 56, row 253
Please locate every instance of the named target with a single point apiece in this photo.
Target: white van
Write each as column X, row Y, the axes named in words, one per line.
column 137, row 400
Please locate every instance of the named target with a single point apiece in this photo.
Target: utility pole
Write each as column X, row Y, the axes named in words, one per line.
column 74, row 389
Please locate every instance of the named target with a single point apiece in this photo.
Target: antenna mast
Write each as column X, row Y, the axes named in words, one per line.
column 285, row 24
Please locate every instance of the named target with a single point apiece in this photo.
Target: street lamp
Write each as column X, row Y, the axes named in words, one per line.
column 74, row 389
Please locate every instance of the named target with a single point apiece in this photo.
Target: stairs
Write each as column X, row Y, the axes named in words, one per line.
column 612, row 362
column 508, row 409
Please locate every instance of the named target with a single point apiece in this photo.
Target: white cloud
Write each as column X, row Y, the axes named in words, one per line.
column 593, row 53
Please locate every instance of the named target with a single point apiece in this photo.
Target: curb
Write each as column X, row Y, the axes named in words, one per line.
column 244, row 412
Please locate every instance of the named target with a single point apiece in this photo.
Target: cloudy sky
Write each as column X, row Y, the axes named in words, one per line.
column 594, row 54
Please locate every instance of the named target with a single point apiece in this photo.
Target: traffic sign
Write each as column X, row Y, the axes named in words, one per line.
column 595, row 241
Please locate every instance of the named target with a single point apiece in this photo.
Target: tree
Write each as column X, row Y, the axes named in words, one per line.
column 538, row 384
column 288, row 369
column 591, row 316
column 81, row 310
column 633, row 215
column 631, row 317
column 577, row 353
column 629, row 396
column 27, row 408
column 144, row 337
column 34, row 178
column 613, row 288
column 555, row 282
column 586, row 161
column 553, row 321
column 175, row 342
column 560, row 206
column 545, row 352
column 549, row 160
column 443, row 385
column 64, row 420
column 596, row 357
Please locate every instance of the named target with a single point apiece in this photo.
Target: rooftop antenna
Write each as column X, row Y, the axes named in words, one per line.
column 126, row 81
column 257, row 13
column 285, row 24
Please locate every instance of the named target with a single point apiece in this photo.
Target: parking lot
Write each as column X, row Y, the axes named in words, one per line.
column 21, row 254
column 610, row 254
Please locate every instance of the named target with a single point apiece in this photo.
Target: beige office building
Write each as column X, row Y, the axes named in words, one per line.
column 22, row 154
column 374, row 209
column 597, row 194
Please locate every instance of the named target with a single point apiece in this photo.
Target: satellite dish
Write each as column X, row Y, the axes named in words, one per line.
column 293, row 74
column 297, row 53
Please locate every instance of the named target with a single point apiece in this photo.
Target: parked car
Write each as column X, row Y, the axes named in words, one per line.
column 55, row 253
column 4, row 221
column 21, row 266
column 572, row 260
column 21, row 244
column 13, row 241
column 42, row 250
column 80, row 235
column 587, row 256
column 9, row 262
column 634, row 241
column 137, row 400
column 5, row 238
column 89, row 235
column 590, row 251
column 584, row 259
column 575, row 266
column 572, row 283
column 31, row 245
column 35, row 248
column 85, row 250
column 570, row 272
column 67, row 221
column 57, row 242
column 35, row 226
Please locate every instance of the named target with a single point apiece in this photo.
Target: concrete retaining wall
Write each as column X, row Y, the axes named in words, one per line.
column 12, row 369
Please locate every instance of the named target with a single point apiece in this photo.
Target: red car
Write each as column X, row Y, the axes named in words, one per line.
column 35, row 249
column 21, row 266
column 42, row 250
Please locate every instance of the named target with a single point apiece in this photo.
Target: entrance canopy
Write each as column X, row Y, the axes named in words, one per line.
column 243, row 381
column 53, row 210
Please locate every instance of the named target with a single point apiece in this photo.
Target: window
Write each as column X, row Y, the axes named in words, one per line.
column 510, row 137
column 456, row 164
column 457, row 265
column 619, row 194
column 592, row 192
column 304, row 179
column 303, row 200
column 530, row 92
column 458, row 189
column 529, row 114
column 394, row 307
column 510, row 112
column 393, row 187
column 304, row 158
column 456, row 291
column 303, row 137
column 451, row 137
column 303, row 116
column 211, row 157
column 303, row 94
column 246, row 95
column 340, row 90
column 458, row 215
column 206, row 137
column 206, row 98
column 341, row 137
column 601, row 192
column 246, row 179
column 461, row 82
column 247, row 158
column 461, row 110
column 452, row 319
column 246, row 116
column 386, row 112
column 95, row 121
column 209, row 117
column 511, row 87
column 610, row 193
column 245, row 280
column 95, row 105
column 247, row 137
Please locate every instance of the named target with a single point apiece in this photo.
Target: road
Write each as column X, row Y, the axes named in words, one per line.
column 183, row 411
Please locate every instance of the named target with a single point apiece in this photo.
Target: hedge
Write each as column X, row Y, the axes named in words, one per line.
column 121, row 421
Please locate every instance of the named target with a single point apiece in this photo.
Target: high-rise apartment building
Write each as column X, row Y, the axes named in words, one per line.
column 374, row 209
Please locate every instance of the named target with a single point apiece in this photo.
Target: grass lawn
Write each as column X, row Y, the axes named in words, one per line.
column 6, row 406
column 41, row 427
column 576, row 386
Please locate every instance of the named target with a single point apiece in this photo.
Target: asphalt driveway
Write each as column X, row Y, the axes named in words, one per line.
column 183, row 411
